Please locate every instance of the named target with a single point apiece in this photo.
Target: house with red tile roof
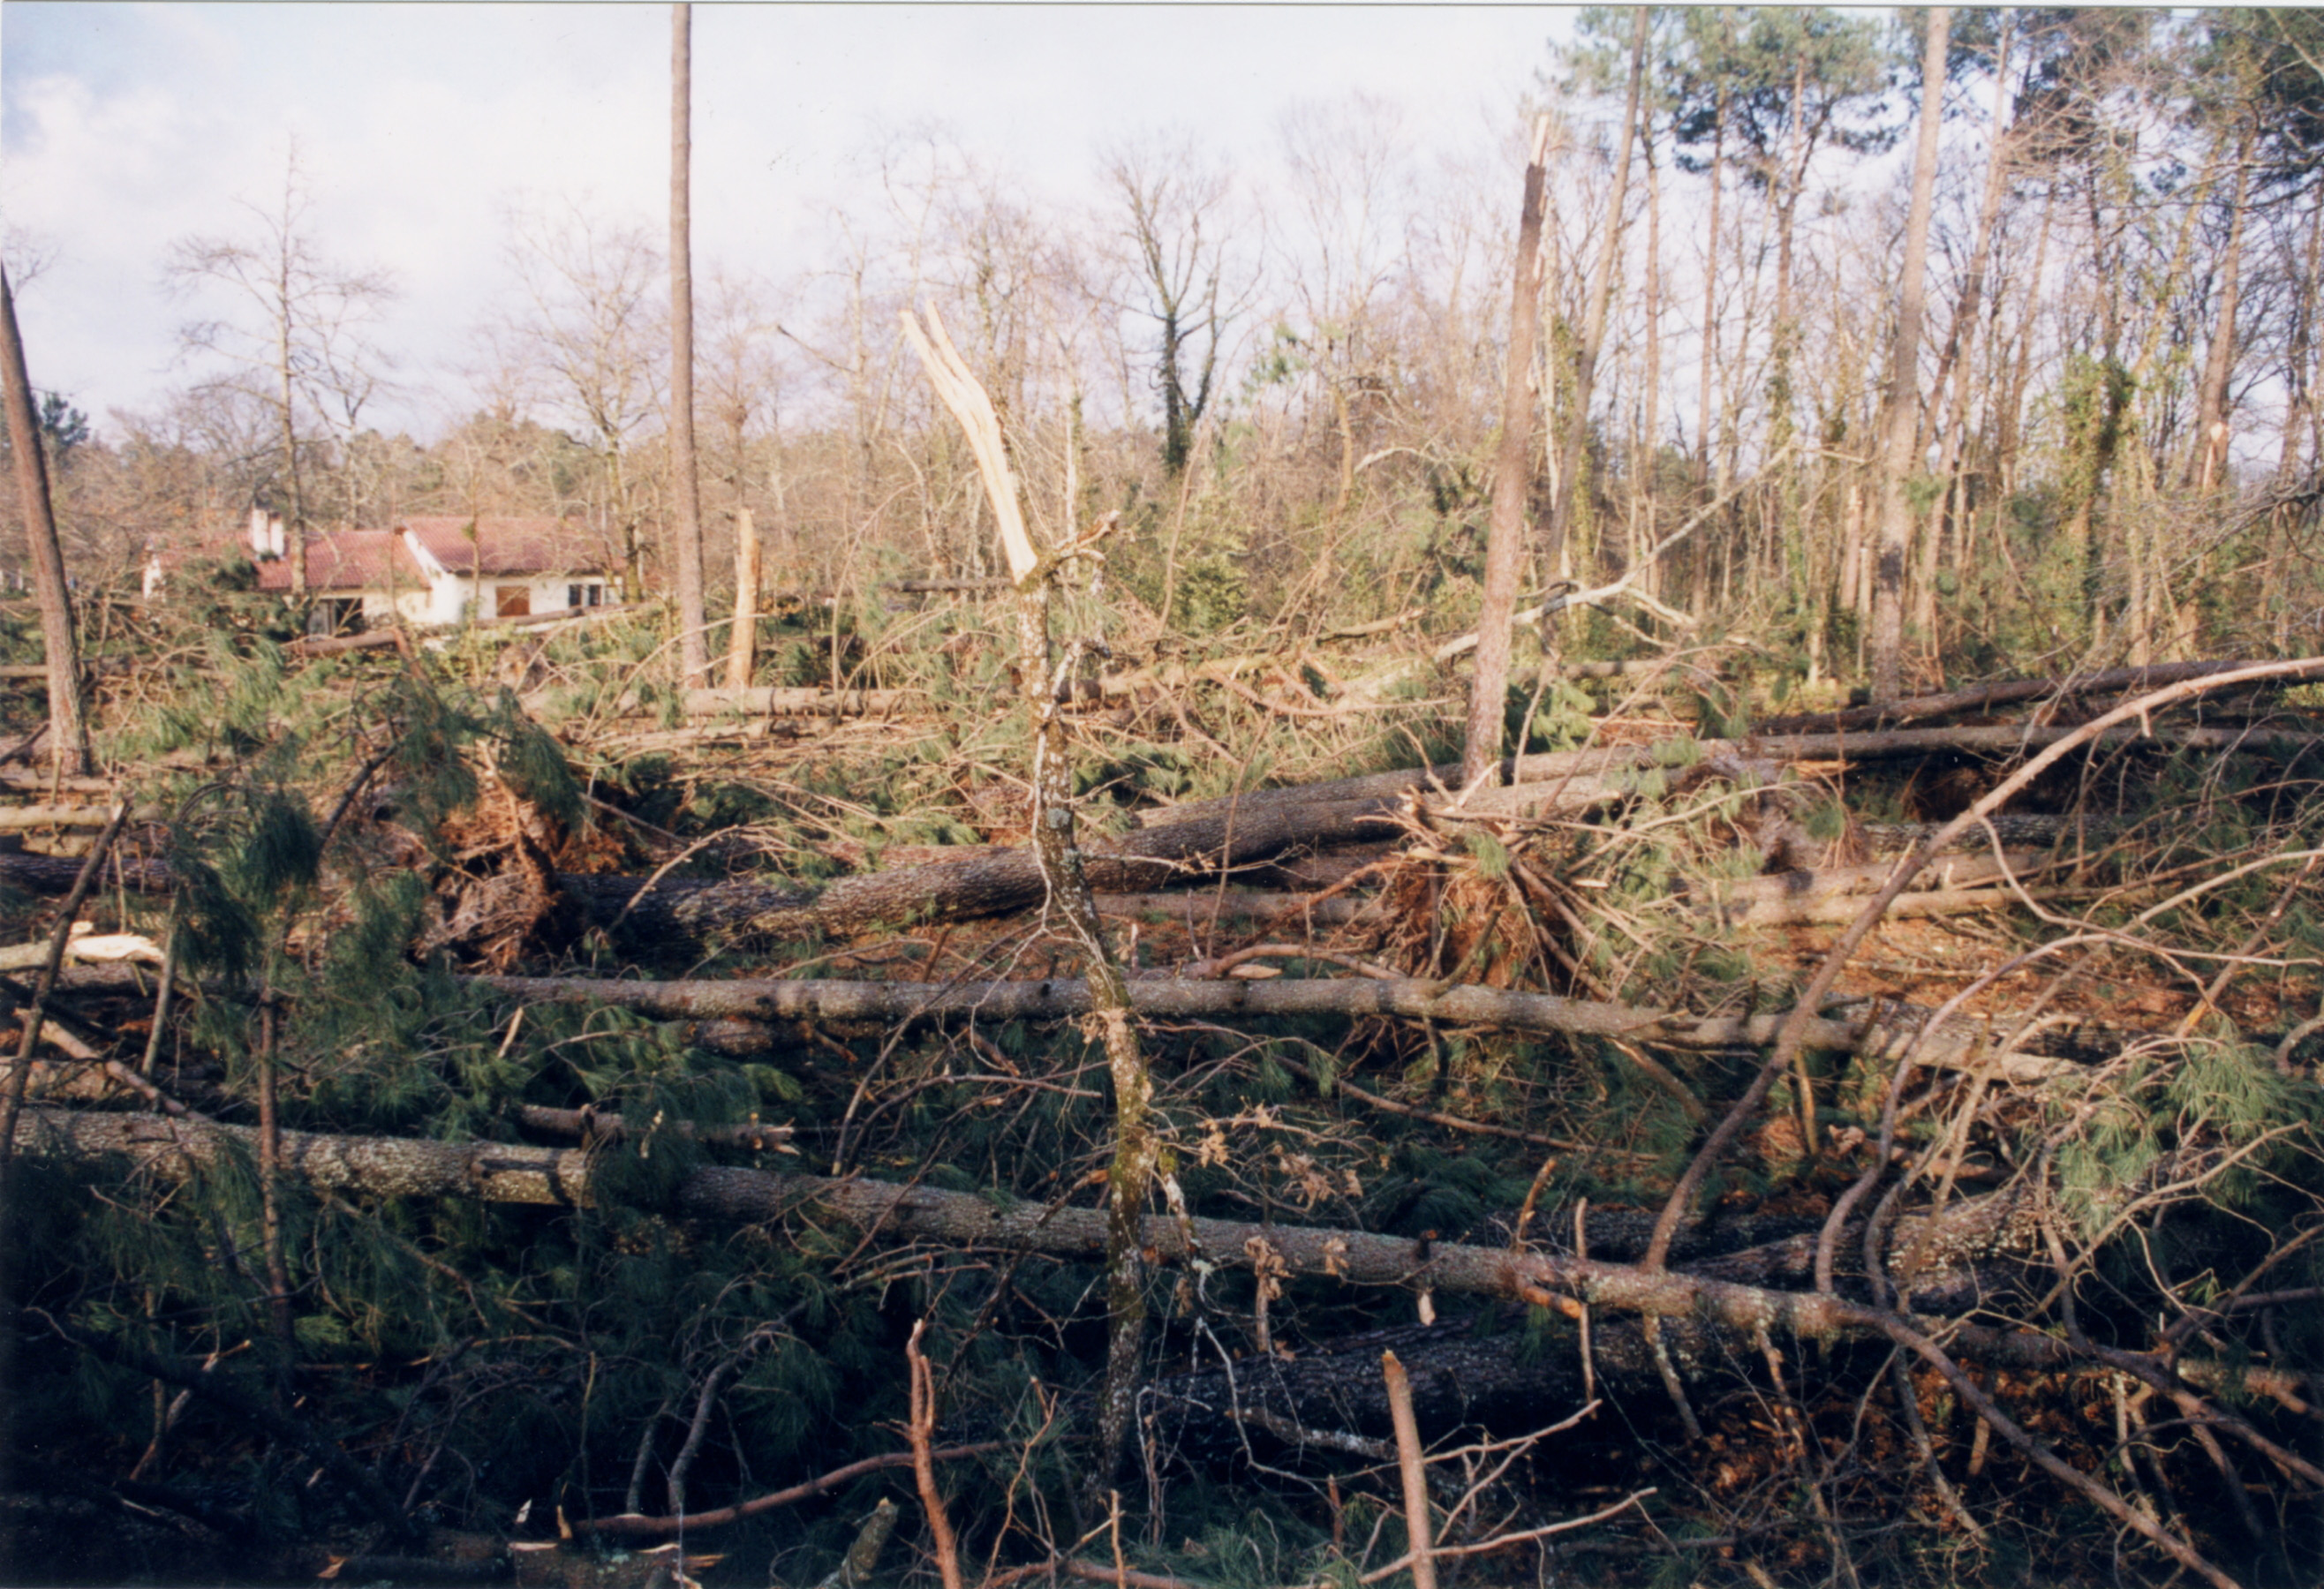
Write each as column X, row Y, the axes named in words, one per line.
column 439, row 569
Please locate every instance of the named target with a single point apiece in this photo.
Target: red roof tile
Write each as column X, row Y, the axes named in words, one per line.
column 350, row 560
column 508, row 547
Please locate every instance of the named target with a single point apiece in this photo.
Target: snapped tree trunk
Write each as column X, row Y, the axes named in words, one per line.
column 68, row 728
column 1901, row 444
column 1505, row 543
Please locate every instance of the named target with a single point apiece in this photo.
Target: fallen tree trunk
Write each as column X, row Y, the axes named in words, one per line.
column 508, row 1173
column 1881, row 1039
column 14, row 818
column 1984, row 697
column 994, row 883
column 1529, row 775
column 32, row 783
column 378, row 639
column 1200, row 905
column 1957, row 871
column 1176, row 842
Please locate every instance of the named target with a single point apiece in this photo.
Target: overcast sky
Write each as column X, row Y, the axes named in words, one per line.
column 129, row 125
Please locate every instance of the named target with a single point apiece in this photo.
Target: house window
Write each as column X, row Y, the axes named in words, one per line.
column 335, row 615
column 588, row 596
column 514, row 601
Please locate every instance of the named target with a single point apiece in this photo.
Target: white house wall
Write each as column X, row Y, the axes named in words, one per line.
column 445, row 601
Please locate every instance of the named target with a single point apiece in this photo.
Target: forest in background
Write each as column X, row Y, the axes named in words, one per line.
column 1785, row 1002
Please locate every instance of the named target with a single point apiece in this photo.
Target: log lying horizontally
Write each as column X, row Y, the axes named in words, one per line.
column 377, row 639
column 404, row 1167
column 506, row 1173
column 14, row 818
column 1985, row 697
column 1158, row 997
column 993, row 882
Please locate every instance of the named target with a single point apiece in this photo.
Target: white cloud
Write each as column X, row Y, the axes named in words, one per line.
column 129, row 125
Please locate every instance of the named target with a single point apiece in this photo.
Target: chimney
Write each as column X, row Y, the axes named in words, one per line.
column 261, row 542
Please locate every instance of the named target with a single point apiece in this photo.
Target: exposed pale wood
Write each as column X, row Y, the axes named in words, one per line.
column 18, row 817
column 1412, row 1469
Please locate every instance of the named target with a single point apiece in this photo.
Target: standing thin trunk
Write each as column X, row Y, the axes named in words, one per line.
column 693, row 644
column 1601, row 292
column 741, row 644
column 2297, row 371
column 2208, row 461
column 67, row 730
column 295, row 546
column 1791, row 179
column 269, row 1198
column 1504, row 541
column 1643, row 471
column 1711, row 287
column 1903, row 401
column 2010, row 425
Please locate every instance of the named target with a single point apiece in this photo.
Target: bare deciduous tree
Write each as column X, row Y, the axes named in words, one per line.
column 583, row 349
column 299, row 338
column 1174, row 207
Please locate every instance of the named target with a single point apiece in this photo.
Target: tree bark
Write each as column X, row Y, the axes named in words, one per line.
column 1926, row 1249
column 1163, row 998
column 68, row 728
column 741, row 642
column 2206, row 463
column 1902, row 444
column 2298, row 369
column 687, row 485
column 1411, row 1468
column 1505, row 543
column 1707, row 386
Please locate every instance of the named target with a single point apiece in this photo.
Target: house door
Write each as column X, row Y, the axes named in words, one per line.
column 514, row 600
